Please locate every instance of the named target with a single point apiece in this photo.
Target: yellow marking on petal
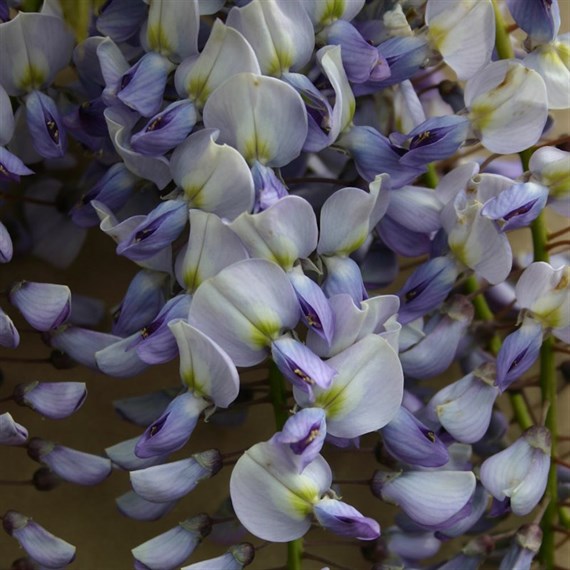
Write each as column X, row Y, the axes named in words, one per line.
column 158, row 40
column 334, row 10
column 332, row 401
column 557, row 177
column 437, row 35
column 197, row 89
column 256, row 149
column 265, row 331
column 303, row 499
column 32, row 78
column 280, row 63
column 193, row 384
column 490, row 103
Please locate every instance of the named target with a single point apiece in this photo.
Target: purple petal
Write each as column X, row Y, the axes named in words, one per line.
column 55, row 400
column 44, row 305
column 344, row 520
column 46, row 126
column 45, row 548
column 173, row 428
column 11, row 433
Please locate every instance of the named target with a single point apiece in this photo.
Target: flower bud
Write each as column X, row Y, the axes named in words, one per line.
column 42, row 546
column 428, row 497
column 171, row 481
column 71, row 465
column 11, row 433
column 44, row 305
column 169, row 549
column 55, row 400
column 520, row 472
column 523, row 549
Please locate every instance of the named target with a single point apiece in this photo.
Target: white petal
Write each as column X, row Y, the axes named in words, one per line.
column 211, row 246
column 172, row 28
column 552, row 62
column 204, row 367
column 463, row 32
column 244, row 110
column 244, row 308
column 283, row 233
column 345, row 221
column 226, row 53
column 279, row 31
column 214, row 177
column 36, row 46
column 366, row 393
column 507, row 105
column 270, row 498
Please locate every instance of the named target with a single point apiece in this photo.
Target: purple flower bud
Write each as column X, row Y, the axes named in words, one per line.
column 122, row 454
column 155, row 343
column 344, row 520
column 268, row 188
column 343, row 276
column 518, row 352
column 173, row 428
column 45, row 548
column 235, row 558
column 410, row 441
column 156, row 231
column 11, row 167
column 362, row 61
column 142, row 86
column 412, row 545
column 120, row 19
column 81, row 344
column 464, row 407
column 165, row 130
column 523, row 549
column 540, row 19
column 44, row 305
column 300, row 365
column 143, row 300
column 139, row 509
column 443, row 334
column 6, row 246
column 169, row 549
column 71, row 465
column 315, row 308
column 55, row 400
column 478, row 504
column 404, row 55
column 46, row 127
column 428, row 497
column 305, row 434
column 9, row 335
column 11, row 433
column 171, row 481
column 520, row 472
column 143, row 410
column 517, row 206
column 373, row 154
column 113, row 189
column 434, row 139
column 426, row 288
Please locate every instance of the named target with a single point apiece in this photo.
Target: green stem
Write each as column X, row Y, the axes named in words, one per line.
column 483, row 312
column 294, row 554
column 502, row 37
column 547, row 365
column 430, row 178
column 548, row 391
column 278, row 397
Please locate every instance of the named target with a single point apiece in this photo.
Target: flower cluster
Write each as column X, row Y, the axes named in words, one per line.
column 267, row 166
